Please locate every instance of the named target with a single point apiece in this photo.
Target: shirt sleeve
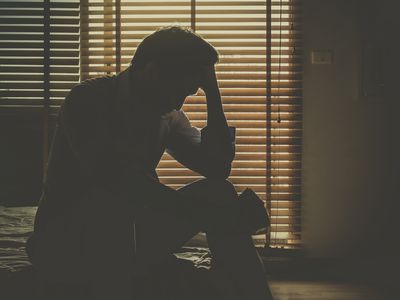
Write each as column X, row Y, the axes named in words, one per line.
column 102, row 158
column 102, row 161
column 208, row 151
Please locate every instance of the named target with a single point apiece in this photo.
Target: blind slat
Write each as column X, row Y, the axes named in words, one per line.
column 200, row 27
column 174, row 10
column 168, row 19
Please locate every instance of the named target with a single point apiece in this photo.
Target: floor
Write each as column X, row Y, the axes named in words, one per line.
column 322, row 290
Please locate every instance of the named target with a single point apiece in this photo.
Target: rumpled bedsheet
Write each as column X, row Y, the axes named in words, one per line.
column 16, row 224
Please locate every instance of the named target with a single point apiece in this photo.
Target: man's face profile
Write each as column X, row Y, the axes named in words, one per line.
column 171, row 64
column 170, row 87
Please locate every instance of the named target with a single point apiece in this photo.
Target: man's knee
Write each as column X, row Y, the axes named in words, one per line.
column 221, row 188
column 223, row 205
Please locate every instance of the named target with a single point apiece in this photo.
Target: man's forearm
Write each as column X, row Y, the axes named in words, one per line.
column 217, row 148
column 217, row 136
column 216, row 119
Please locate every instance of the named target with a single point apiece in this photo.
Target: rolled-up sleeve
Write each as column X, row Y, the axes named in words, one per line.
column 208, row 151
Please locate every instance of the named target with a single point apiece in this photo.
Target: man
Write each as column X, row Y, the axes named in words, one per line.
column 104, row 218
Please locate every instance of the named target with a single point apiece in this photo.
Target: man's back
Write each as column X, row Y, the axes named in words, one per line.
column 99, row 142
column 65, row 179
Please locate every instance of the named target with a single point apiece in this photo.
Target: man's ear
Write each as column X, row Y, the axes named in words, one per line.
column 152, row 71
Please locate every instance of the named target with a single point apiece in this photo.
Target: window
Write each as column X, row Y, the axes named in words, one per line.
column 39, row 53
column 47, row 46
column 39, row 56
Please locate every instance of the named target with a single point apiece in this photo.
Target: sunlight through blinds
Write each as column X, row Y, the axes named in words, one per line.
column 39, row 51
column 259, row 76
column 39, row 57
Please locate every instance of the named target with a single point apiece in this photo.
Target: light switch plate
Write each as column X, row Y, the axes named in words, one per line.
column 321, row 57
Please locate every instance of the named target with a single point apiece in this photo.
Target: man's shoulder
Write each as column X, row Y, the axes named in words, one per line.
column 90, row 91
column 99, row 82
column 96, row 85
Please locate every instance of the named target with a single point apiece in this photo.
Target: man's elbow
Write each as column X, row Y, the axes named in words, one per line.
column 218, row 170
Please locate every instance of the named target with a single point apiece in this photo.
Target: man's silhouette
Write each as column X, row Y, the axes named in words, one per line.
column 104, row 218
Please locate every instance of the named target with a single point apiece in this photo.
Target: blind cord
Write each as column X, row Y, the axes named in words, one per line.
column 279, row 116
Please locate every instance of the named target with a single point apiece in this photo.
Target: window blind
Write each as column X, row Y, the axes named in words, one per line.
column 22, row 53
column 39, row 56
column 39, row 52
column 260, row 80
column 283, row 121
column 259, row 76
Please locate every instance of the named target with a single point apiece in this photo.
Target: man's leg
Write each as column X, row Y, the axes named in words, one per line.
column 110, row 222
column 103, row 228
column 210, row 206
column 106, row 224
column 233, row 253
column 91, row 246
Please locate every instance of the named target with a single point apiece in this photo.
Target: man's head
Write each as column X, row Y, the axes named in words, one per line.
column 170, row 63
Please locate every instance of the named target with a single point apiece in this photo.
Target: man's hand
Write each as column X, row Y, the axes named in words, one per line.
column 208, row 81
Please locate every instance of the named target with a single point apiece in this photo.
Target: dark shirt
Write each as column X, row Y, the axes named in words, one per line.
column 93, row 145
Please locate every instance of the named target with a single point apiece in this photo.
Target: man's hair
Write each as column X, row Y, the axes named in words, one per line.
column 173, row 48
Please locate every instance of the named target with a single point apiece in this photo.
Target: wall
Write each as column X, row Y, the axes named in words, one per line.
column 349, row 152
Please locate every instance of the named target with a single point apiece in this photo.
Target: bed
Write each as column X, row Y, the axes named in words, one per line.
column 18, row 279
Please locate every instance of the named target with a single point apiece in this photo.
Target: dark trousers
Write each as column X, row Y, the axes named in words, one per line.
column 107, row 244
